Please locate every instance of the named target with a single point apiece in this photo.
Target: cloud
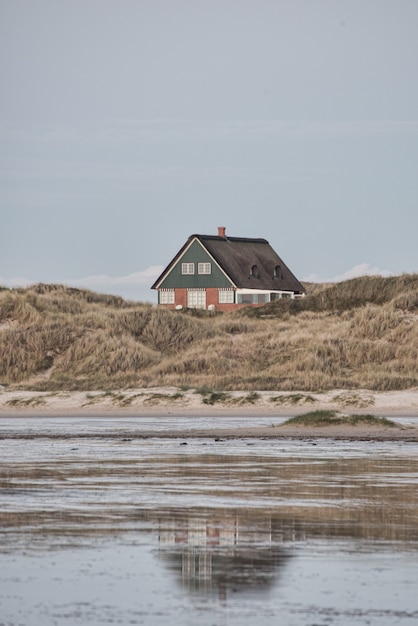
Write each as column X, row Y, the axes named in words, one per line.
column 133, row 280
column 17, row 281
column 135, row 286
column 362, row 269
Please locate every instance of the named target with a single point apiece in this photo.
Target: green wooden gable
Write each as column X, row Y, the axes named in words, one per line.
column 195, row 253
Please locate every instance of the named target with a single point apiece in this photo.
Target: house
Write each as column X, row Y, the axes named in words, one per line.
column 225, row 273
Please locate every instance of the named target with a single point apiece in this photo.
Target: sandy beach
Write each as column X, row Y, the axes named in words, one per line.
column 173, row 402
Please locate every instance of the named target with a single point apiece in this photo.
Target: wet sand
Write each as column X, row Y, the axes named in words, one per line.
column 126, row 531
column 99, row 525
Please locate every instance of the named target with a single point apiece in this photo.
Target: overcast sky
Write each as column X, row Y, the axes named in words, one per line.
column 127, row 125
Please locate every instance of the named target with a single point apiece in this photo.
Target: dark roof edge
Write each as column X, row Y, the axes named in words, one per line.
column 240, row 239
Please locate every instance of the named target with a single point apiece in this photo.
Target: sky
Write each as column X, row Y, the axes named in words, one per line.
column 128, row 125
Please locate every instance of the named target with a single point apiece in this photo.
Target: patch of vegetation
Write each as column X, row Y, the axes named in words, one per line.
column 313, row 418
column 215, row 396
column 121, row 400
column 351, row 398
column 94, row 398
column 157, row 398
column 212, row 396
column 250, row 398
column 332, row 418
column 24, row 402
column 293, row 398
column 370, row 420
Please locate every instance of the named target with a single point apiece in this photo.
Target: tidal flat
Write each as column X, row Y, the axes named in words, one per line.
column 100, row 525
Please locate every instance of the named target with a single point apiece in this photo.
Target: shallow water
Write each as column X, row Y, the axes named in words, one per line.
column 100, row 527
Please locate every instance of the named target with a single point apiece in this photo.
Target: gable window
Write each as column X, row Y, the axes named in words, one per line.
column 167, row 296
column 225, row 296
column 187, row 268
column 204, row 268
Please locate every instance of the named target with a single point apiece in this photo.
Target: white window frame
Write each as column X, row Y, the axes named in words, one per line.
column 204, row 268
column 225, row 296
column 196, row 299
column 167, row 296
column 187, row 268
column 252, row 296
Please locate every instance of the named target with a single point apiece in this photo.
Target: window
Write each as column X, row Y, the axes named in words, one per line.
column 167, row 296
column 245, row 298
column 196, row 299
column 187, row 268
column 278, row 272
column 225, row 296
column 204, row 268
column 252, row 298
column 254, row 273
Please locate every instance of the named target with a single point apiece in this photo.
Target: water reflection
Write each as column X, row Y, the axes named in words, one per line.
column 330, row 490
column 233, row 551
column 221, row 552
column 276, row 527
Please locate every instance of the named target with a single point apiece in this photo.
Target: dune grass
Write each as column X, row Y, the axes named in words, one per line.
column 357, row 334
column 293, row 398
column 333, row 418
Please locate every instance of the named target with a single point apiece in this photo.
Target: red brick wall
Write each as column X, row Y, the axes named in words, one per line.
column 211, row 298
column 180, row 298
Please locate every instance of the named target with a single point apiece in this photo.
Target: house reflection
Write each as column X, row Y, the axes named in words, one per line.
column 221, row 553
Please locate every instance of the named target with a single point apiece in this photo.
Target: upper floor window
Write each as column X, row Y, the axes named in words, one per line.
column 277, row 272
column 204, row 268
column 254, row 273
column 187, row 268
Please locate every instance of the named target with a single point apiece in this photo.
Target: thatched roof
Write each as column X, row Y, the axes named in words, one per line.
column 249, row 263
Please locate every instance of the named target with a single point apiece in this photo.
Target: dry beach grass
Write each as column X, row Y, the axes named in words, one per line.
column 359, row 334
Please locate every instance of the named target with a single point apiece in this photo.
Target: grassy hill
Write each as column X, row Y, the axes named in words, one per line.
column 361, row 333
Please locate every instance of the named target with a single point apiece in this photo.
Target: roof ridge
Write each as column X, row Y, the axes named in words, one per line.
column 238, row 239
